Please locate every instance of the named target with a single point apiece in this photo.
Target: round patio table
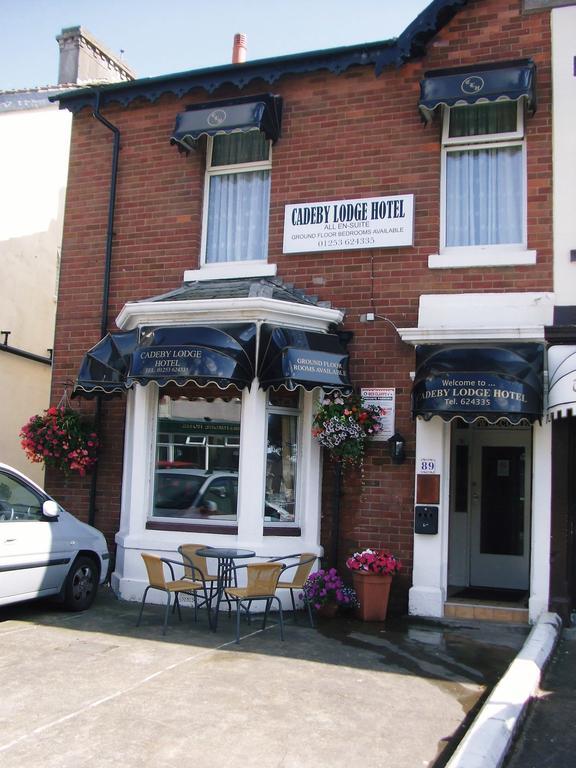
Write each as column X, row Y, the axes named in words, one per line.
column 225, row 557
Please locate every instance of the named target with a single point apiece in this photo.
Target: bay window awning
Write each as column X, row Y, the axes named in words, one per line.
column 222, row 355
column 291, row 358
column 503, row 383
column 562, row 380
column 470, row 85
column 262, row 113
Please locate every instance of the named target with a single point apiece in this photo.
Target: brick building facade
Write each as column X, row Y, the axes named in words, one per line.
column 351, row 130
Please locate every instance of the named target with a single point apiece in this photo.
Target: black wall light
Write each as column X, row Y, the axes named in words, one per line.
column 397, row 448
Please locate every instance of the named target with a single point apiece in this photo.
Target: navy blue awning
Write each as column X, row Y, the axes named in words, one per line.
column 290, row 357
column 203, row 355
column 263, row 113
column 503, row 383
column 469, row 85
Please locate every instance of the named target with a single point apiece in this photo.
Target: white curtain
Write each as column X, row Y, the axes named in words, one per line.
column 238, row 217
column 484, row 197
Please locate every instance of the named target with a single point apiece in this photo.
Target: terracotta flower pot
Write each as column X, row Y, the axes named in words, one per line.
column 373, row 591
column 328, row 610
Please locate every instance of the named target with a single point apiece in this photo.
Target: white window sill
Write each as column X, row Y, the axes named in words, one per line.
column 480, row 257
column 229, row 270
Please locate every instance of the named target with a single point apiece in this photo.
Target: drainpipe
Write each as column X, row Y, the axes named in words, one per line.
column 5, row 347
column 106, row 283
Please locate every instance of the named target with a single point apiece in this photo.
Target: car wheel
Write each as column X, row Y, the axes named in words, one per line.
column 81, row 584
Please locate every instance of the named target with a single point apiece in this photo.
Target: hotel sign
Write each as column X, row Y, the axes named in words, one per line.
column 339, row 225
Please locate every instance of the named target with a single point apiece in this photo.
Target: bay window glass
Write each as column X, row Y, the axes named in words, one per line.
column 485, row 190
column 197, row 453
column 283, row 418
column 238, row 198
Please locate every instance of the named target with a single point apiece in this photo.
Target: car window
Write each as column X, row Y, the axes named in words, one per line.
column 220, row 497
column 176, row 491
column 18, row 501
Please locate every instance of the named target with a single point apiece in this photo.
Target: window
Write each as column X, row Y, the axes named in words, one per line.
column 484, row 176
column 283, row 417
column 237, row 198
column 18, row 501
column 197, row 453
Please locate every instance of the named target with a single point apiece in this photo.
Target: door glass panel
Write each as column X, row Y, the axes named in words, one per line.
column 502, row 513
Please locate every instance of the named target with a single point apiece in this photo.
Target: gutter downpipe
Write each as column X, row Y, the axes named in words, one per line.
column 106, row 283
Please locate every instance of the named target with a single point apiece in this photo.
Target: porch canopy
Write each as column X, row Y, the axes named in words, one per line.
column 494, row 383
column 292, row 357
column 262, row 112
column 222, row 355
column 511, row 81
column 562, row 380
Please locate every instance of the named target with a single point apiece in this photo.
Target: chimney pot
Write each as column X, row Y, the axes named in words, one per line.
column 239, row 49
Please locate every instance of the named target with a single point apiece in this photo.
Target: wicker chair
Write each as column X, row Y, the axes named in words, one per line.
column 303, row 568
column 157, row 580
column 188, row 552
column 261, row 583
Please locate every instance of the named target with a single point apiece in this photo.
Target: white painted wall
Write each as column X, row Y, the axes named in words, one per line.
column 34, row 149
column 564, row 161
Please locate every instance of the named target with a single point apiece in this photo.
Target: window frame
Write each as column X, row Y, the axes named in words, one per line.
column 223, row 170
column 279, row 410
column 493, row 253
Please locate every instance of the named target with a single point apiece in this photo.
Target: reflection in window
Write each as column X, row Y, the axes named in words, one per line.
column 18, row 501
column 281, row 460
column 197, row 452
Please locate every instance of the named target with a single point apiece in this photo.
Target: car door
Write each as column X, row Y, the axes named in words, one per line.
column 33, row 555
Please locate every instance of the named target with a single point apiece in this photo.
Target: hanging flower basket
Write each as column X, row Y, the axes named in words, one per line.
column 61, row 438
column 342, row 425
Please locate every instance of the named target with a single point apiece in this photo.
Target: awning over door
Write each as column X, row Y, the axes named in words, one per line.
column 204, row 355
column 263, row 113
column 449, row 87
column 294, row 358
column 562, row 380
column 503, row 383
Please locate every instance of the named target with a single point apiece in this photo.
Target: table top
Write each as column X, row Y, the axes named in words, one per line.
column 227, row 553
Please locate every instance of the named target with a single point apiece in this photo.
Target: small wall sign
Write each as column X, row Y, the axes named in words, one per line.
column 385, row 399
column 339, row 225
column 427, row 466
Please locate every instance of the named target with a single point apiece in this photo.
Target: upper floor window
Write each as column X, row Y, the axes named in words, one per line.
column 237, row 198
column 484, row 176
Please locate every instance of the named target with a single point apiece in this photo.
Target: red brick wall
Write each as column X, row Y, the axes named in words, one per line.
column 344, row 136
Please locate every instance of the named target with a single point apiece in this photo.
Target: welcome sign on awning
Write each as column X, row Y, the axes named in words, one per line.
column 339, row 225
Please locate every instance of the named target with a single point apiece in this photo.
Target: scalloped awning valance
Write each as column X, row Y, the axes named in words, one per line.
column 262, row 113
column 469, row 85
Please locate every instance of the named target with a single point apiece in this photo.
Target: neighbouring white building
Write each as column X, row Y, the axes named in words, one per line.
column 34, row 149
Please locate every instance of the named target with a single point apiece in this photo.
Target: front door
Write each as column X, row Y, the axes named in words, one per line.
column 497, row 506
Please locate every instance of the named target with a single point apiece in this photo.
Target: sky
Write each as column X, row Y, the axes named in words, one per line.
column 158, row 37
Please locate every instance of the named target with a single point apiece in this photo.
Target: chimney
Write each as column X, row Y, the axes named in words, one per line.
column 239, row 49
column 83, row 59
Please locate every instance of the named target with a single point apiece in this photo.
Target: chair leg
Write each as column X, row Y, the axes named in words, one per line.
column 177, row 603
column 237, row 621
column 280, row 617
column 268, row 603
column 142, row 606
column 293, row 606
column 166, row 612
column 310, row 615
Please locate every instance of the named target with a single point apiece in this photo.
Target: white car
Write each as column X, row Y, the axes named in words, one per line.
column 203, row 494
column 44, row 550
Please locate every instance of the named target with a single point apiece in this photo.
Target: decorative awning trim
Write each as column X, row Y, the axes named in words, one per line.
column 262, row 113
column 562, row 381
column 493, row 383
column 510, row 81
column 291, row 358
column 204, row 355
